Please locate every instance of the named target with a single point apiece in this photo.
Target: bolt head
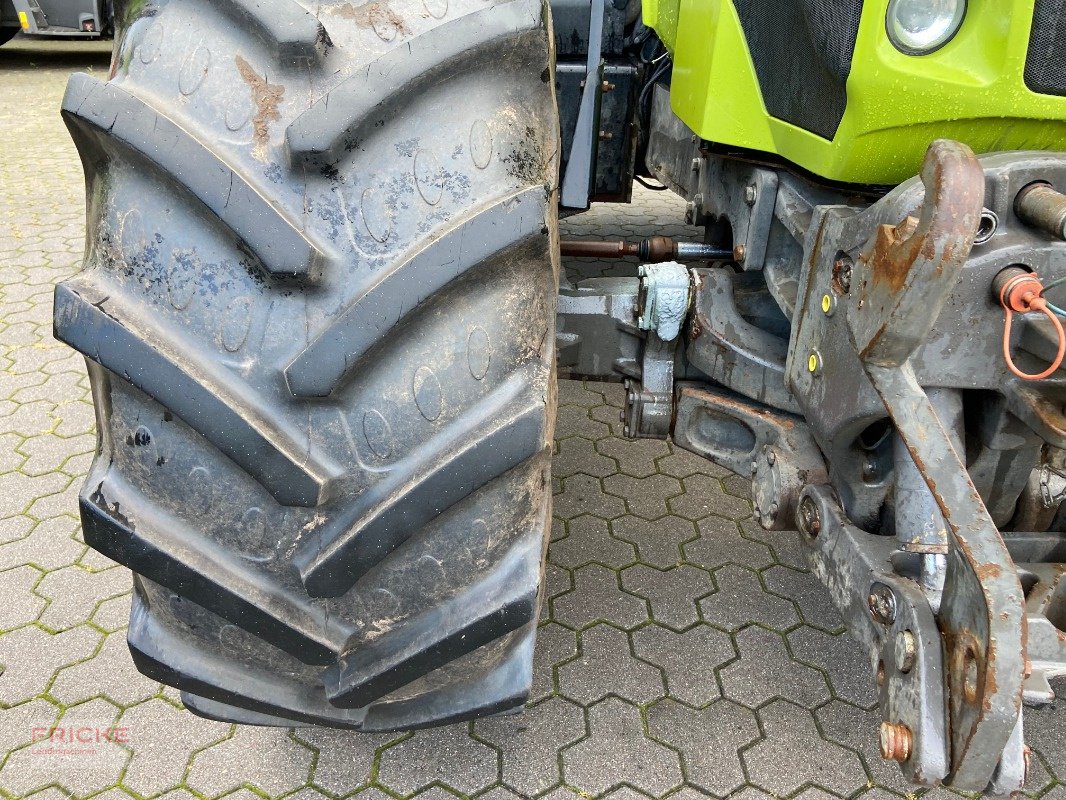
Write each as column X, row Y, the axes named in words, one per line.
column 906, row 651
column 771, row 457
column 869, row 470
column 814, row 363
column 750, row 194
column 882, row 603
column 809, row 519
column 842, row 269
column 625, row 431
column 740, row 252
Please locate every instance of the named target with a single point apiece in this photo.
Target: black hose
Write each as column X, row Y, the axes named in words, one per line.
column 639, row 179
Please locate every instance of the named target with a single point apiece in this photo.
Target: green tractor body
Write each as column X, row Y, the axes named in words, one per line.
column 823, row 86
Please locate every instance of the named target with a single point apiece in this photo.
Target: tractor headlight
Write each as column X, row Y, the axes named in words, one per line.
column 917, row 27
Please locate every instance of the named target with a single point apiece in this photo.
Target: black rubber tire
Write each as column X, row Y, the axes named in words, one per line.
column 318, row 312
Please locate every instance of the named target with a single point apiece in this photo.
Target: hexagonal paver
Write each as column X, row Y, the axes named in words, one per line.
column 682, row 463
column 597, row 597
column 617, row 752
column 555, row 644
column 19, row 605
column 110, row 672
column 708, row 740
column 606, row 666
column 741, row 600
column 73, row 594
column 583, row 494
column 49, row 546
column 590, row 540
column 689, row 660
column 844, row 662
column 345, row 758
column 575, row 421
column 672, row 593
column 793, row 754
column 447, row 755
column 644, row 497
column 579, row 393
column 162, row 738
column 113, row 614
column 658, row 541
column 635, row 457
column 765, row 670
column 1045, row 729
column 529, row 743
column 720, row 543
column 578, row 456
column 703, row 496
column 31, row 657
column 20, row 721
column 787, row 546
column 20, row 492
column 268, row 759
column 611, row 416
column 804, row 589
column 81, row 768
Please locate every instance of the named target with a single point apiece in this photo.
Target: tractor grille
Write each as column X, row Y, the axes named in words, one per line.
column 1045, row 64
column 802, row 54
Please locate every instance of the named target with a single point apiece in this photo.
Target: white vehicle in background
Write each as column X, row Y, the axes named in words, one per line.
column 89, row 18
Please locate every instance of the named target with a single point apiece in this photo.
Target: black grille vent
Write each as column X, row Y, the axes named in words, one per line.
column 1045, row 64
column 802, row 52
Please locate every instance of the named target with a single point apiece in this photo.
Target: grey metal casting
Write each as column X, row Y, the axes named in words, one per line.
column 665, row 297
column 848, row 358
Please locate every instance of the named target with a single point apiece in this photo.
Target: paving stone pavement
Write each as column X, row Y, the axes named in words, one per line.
column 683, row 652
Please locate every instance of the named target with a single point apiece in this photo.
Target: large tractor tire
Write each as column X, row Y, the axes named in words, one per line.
column 318, row 313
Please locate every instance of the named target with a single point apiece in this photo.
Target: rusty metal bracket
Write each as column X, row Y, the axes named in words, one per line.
column 982, row 615
column 907, row 271
column 905, row 275
column 775, row 448
column 895, row 626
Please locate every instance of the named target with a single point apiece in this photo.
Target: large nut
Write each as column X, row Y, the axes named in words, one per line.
column 810, row 519
column 896, row 741
column 882, row 602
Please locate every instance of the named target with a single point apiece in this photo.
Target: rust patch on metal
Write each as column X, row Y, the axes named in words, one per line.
column 988, row 571
column 266, row 96
column 894, row 251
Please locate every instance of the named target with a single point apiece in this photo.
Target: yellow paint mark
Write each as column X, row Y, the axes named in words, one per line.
column 827, row 303
column 812, row 362
column 24, row 20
